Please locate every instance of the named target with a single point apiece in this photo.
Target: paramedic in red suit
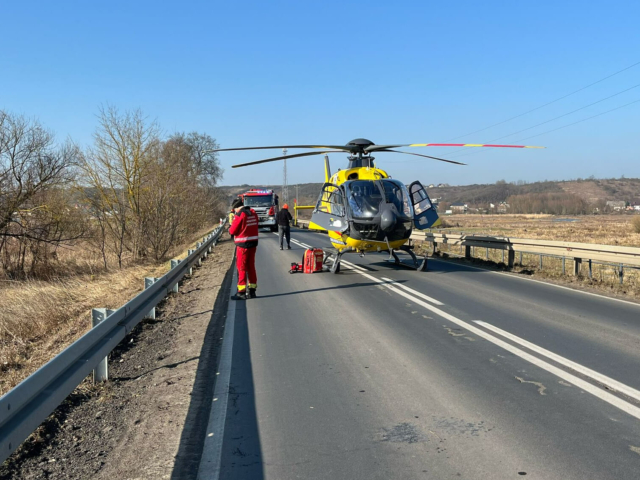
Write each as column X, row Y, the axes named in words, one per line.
column 245, row 235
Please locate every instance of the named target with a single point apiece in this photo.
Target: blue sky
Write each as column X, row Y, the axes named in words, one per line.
column 268, row 73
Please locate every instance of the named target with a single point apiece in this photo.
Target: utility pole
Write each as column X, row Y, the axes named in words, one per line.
column 285, row 190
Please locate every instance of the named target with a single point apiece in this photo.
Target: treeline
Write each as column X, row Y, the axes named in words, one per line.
column 494, row 193
column 132, row 194
column 551, row 203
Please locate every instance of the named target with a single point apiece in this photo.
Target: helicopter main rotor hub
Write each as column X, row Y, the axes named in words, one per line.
column 360, row 144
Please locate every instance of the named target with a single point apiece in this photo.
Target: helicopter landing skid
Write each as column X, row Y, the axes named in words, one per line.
column 336, row 256
column 420, row 266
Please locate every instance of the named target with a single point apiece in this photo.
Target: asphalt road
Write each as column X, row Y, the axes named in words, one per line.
column 381, row 372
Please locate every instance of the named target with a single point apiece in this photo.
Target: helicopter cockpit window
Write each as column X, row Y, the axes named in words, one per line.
column 364, row 198
column 420, row 199
column 331, row 201
column 396, row 193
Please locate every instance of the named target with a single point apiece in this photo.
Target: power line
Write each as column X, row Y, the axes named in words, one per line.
column 580, row 121
column 565, row 114
column 547, row 121
column 548, row 131
column 564, row 126
column 549, row 103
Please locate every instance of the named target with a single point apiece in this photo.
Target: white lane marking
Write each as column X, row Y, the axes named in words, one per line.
column 511, row 275
column 210, row 462
column 609, row 382
column 415, row 292
column 300, row 244
column 353, row 266
column 578, row 382
column 293, row 240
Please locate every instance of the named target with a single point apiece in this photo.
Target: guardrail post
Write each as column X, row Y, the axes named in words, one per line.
column 564, row 272
column 520, row 258
column 576, row 266
column 101, row 371
column 148, row 282
column 487, row 254
column 621, row 273
column 590, row 270
column 435, row 248
column 198, row 245
column 174, row 264
column 189, row 252
column 511, row 258
column 540, row 262
column 467, row 252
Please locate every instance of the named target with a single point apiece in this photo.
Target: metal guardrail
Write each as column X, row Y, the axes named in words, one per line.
column 305, row 225
column 578, row 252
column 619, row 257
column 27, row 405
column 297, row 207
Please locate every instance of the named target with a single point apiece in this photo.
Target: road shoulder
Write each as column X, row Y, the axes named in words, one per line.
column 143, row 422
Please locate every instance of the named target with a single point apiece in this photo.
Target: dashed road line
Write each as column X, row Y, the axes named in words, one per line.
column 415, row 292
column 587, row 372
column 578, row 382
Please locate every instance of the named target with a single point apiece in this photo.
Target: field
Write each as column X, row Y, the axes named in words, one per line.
column 39, row 318
column 599, row 229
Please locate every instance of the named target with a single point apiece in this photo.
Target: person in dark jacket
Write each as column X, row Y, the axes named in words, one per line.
column 244, row 230
column 284, row 230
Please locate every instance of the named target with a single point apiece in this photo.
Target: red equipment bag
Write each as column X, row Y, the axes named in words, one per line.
column 312, row 260
column 296, row 267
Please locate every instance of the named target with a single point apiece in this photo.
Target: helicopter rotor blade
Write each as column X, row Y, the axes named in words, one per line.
column 374, row 148
column 425, row 156
column 274, row 159
column 346, row 148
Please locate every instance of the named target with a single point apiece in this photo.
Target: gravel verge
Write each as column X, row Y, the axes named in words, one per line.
column 145, row 421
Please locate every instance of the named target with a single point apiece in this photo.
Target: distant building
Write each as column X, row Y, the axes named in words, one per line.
column 503, row 207
column 616, row 205
column 459, row 207
column 636, row 207
column 431, row 185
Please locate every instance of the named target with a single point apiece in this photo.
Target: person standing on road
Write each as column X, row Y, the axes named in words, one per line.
column 284, row 229
column 245, row 235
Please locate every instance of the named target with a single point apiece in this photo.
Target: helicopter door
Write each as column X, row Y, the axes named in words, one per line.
column 424, row 215
column 330, row 212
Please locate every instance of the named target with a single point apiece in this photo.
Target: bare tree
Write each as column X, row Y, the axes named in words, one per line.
column 181, row 197
column 115, row 169
column 34, row 211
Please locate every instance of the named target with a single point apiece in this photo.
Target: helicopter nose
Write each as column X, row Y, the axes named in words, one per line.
column 388, row 220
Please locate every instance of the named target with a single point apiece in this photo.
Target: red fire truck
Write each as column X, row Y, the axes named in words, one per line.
column 265, row 204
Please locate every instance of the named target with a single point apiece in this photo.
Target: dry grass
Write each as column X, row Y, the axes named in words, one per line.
column 40, row 318
column 602, row 229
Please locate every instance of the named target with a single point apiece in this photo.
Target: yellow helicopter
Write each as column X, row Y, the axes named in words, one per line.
column 362, row 208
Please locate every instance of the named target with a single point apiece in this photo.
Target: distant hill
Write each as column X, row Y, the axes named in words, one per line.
column 592, row 191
